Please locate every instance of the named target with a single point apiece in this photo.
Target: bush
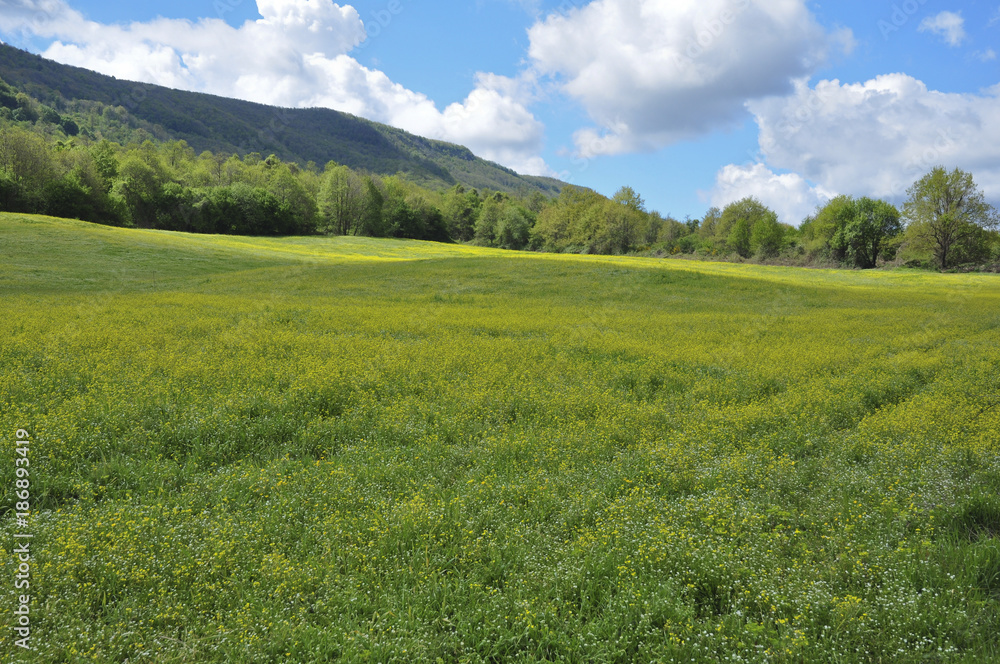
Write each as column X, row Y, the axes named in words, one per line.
column 67, row 197
column 514, row 229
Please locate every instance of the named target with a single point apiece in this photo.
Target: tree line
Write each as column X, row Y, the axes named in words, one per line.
column 49, row 165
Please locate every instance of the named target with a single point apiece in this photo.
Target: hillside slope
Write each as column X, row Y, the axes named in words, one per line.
column 208, row 122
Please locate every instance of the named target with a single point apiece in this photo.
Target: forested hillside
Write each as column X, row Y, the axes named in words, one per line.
column 125, row 111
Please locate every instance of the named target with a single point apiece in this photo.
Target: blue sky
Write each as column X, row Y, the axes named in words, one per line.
column 691, row 102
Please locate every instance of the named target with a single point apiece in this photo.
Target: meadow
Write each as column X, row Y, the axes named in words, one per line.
column 358, row 450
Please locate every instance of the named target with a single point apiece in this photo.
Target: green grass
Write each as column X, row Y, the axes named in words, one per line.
column 250, row 450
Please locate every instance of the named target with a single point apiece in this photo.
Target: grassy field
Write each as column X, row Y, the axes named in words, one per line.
column 361, row 450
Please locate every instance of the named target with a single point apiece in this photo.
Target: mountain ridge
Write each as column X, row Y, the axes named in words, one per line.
column 225, row 125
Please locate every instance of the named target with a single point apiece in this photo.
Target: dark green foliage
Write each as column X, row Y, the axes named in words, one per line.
column 460, row 210
column 514, row 228
column 8, row 96
column 857, row 232
column 10, row 193
column 26, row 109
column 372, row 222
column 70, row 127
column 50, row 116
column 739, row 237
column 866, row 232
column 180, row 209
column 488, row 220
column 70, row 198
column 244, row 210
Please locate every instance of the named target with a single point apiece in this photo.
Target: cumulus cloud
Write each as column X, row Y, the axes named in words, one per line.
column 651, row 72
column 947, row 25
column 295, row 55
column 788, row 194
column 876, row 138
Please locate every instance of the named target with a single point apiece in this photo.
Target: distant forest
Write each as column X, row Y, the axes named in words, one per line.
column 92, row 164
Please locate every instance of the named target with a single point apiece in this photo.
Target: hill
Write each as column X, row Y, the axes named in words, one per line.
column 231, row 126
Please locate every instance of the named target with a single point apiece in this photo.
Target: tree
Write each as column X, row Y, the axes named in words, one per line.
column 948, row 212
column 283, row 184
column 460, row 210
column 138, row 187
column 739, row 237
column 767, row 236
column 709, row 223
column 372, row 221
column 28, row 163
column 488, row 221
column 624, row 219
column 559, row 226
column 340, row 200
column 737, row 222
column 868, row 226
column 513, row 231
column 106, row 162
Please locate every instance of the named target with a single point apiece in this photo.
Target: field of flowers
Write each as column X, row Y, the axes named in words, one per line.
column 249, row 450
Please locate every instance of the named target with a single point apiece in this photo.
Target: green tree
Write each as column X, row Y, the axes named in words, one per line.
column 460, row 210
column 371, row 213
column 283, row 184
column 340, row 200
column 736, row 225
column 624, row 221
column 29, row 166
column 867, row 228
column 27, row 108
column 949, row 213
column 708, row 225
column 106, row 162
column 739, row 237
column 138, row 187
column 513, row 230
column 767, row 236
column 489, row 220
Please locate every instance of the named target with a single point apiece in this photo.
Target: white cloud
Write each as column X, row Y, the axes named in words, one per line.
column 994, row 19
column 989, row 55
column 294, row 55
column 789, row 195
column 947, row 25
column 652, row 72
column 876, row 138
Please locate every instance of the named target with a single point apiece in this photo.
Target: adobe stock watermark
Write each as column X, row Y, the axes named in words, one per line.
column 22, row 541
column 380, row 20
column 37, row 25
column 901, row 15
column 132, row 99
column 223, row 7
column 706, row 34
column 586, row 152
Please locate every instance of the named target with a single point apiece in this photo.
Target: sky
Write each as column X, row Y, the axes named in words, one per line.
column 693, row 103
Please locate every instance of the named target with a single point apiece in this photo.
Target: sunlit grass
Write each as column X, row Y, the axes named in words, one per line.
column 268, row 450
